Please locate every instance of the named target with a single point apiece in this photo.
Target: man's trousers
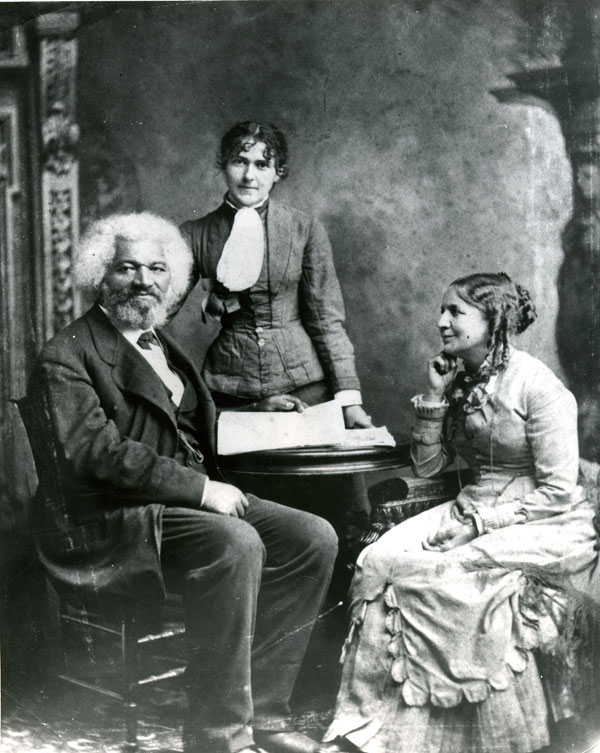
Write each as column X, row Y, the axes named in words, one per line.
column 252, row 588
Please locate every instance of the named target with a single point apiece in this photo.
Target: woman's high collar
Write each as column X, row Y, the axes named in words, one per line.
column 234, row 205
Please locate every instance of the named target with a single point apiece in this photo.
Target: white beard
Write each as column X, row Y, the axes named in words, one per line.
column 131, row 310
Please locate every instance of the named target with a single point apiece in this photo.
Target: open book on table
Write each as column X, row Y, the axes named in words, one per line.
column 319, row 425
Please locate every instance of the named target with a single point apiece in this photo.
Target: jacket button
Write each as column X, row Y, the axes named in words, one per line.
column 259, row 330
column 261, row 342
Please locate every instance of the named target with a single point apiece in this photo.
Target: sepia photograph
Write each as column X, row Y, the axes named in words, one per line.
column 299, row 376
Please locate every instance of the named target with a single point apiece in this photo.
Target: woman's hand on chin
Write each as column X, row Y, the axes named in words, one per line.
column 441, row 370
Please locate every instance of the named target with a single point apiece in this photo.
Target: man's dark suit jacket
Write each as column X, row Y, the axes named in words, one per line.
column 104, row 437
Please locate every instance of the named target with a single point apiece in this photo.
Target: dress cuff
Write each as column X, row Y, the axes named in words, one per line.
column 506, row 514
column 348, row 397
column 477, row 522
column 431, row 411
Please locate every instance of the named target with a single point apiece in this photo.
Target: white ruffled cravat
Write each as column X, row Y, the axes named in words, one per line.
column 241, row 261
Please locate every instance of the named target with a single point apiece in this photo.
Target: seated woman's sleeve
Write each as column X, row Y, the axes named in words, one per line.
column 551, row 427
column 429, row 451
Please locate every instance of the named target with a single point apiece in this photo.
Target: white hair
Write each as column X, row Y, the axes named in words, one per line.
column 96, row 249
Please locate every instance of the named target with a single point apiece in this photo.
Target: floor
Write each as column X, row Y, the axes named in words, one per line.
column 56, row 718
column 39, row 716
column 43, row 716
column 59, row 719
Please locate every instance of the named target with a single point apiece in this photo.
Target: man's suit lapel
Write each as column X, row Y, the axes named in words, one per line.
column 279, row 239
column 208, row 412
column 130, row 371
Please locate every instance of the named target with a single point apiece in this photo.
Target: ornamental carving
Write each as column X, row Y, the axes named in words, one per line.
column 58, row 66
column 587, row 180
column 583, row 231
column 13, row 52
column 5, row 234
column 5, row 149
column 60, row 135
column 61, row 219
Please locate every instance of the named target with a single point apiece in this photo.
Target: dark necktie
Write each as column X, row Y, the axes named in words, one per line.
column 146, row 339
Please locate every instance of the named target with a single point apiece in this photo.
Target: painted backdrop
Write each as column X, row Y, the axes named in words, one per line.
column 397, row 145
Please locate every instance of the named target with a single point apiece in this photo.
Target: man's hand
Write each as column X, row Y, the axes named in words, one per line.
column 224, row 499
column 356, row 418
column 280, row 403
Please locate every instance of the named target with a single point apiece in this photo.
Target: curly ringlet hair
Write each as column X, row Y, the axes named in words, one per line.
column 506, row 305
column 96, row 249
column 242, row 136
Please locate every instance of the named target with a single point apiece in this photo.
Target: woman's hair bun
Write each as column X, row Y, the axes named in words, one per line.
column 506, row 305
column 526, row 313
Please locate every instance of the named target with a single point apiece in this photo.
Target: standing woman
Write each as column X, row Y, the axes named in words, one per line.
column 273, row 286
column 439, row 656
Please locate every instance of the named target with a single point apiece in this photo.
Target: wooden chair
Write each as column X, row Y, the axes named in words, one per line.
column 115, row 655
column 113, row 648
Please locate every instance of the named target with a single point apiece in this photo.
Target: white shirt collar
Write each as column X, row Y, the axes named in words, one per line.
column 155, row 358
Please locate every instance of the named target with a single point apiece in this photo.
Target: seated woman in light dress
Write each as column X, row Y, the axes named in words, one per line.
column 439, row 654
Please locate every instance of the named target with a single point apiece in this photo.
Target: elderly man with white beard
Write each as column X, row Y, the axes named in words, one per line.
column 130, row 493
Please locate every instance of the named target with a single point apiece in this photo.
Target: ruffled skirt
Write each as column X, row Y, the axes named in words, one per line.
column 439, row 655
column 373, row 715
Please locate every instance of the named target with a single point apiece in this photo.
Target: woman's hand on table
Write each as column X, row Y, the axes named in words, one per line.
column 356, row 418
column 280, row 403
column 441, row 370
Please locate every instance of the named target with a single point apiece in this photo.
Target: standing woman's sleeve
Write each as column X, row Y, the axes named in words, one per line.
column 323, row 315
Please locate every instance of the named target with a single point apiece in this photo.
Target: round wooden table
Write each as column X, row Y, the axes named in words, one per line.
column 317, row 461
column 328, row 481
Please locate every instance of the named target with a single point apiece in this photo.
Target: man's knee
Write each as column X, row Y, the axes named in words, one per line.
column 324, row 536
column 237, row 549
column 244, row 544
column 318, row 538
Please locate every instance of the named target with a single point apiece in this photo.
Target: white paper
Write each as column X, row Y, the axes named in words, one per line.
column 375, row 436
column 239, row 431
column 320, row 425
